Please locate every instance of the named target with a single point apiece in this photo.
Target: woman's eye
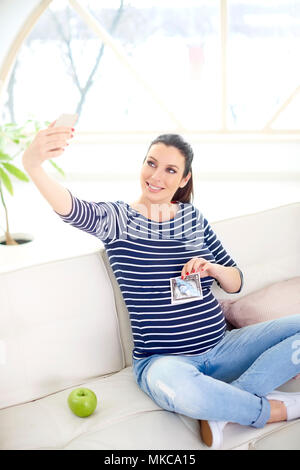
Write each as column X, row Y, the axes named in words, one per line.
column 152, row 164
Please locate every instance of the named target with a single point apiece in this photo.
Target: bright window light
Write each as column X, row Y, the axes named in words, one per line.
column 183, row 65
column 263, row 61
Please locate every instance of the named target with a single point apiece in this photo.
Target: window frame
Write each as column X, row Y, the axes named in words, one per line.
column 267, row 133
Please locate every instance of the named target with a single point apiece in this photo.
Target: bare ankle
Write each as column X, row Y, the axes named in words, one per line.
column 278, row 411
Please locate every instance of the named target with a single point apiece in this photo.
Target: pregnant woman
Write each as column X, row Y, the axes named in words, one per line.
column 183, row 356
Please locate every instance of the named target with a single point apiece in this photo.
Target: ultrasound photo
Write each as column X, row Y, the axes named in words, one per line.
column 186, row 290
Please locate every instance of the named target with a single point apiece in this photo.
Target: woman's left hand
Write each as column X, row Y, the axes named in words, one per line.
column 198, row 265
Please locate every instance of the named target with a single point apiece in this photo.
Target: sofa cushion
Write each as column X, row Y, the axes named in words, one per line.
column 123, row 314
column 286, row 438
column 58, row 326
column 265, row 245
column 125, row 418
column 269, row 303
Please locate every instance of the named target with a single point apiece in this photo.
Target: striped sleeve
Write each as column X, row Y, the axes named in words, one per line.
column 100, row 219
column 219, row 252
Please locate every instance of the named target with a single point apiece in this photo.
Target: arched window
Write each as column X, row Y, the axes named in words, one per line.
column 138, row 66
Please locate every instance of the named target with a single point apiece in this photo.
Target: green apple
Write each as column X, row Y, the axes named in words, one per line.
column 82, row 402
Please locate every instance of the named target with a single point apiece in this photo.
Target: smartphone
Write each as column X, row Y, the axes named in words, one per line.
column 67, row 120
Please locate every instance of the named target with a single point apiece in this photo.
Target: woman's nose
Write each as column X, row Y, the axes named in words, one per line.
column 157, row 174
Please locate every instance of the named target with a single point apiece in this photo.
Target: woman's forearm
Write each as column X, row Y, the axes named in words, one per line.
column 57, row 195
column 47, row 144
column 228, row 276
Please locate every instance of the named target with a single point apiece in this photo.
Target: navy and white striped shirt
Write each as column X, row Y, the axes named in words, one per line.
column 144, row 255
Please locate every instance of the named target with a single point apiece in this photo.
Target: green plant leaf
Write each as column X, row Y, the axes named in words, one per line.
column 21, row 136
column 6, row 181
column 16, row 172
column 4, row 156
column 57, row 167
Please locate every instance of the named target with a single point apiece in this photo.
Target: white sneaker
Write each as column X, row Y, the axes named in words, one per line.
column 291, row 401
column 212, row 433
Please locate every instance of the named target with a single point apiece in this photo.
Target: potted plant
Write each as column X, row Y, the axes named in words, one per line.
column 14, row 139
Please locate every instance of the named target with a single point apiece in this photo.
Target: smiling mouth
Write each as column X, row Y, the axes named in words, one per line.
column 153, row 189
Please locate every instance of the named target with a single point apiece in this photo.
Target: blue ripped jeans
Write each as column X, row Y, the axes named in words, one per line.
column 229, row 382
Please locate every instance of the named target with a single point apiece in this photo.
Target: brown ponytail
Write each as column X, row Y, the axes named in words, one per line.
column 185, row 194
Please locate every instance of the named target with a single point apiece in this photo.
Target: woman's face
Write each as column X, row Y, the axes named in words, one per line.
column 162, row 174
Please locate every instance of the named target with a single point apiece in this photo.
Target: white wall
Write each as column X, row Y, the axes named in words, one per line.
column 230, row 179
column 212, row 160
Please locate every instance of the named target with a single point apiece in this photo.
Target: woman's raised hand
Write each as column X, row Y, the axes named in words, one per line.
column 197, row 265
column 48, row 143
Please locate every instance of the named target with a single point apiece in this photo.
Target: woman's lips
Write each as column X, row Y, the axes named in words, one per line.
column 152, row 188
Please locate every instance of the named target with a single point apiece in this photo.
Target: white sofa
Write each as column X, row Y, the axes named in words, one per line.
column 64, row 324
